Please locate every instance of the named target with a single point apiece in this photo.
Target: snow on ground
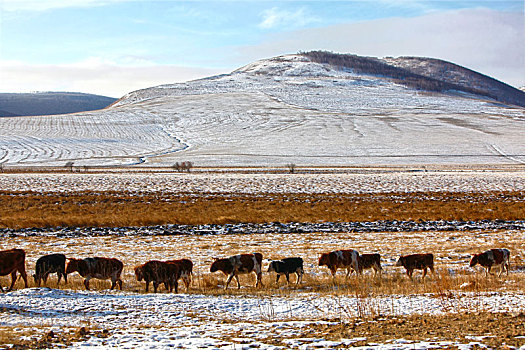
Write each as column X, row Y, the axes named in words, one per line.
column 212, row 322
column 249, row 319
column 465, row 181
column 273, row 112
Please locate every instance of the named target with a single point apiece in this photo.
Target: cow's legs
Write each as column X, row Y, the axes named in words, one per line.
column 155, row 286
column 113, row 282
column 230, row 277
column 86, row 283
column 424, row 273
column 238, row 282
column 287, row 277
column 299, row 274
column 277, row 279
column 23, row 274
column 13, row 280
column 258, row 280
column 147, row 285
column 119, row 281
column 409, row 273
column 176, row 286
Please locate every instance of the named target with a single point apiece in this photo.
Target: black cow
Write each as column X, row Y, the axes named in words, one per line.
column 48, row 264
column 287, row 266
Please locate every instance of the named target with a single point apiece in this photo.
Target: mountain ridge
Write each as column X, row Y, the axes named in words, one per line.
column 50, row 103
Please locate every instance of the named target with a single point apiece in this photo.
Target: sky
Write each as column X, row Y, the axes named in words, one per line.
column 112, row 47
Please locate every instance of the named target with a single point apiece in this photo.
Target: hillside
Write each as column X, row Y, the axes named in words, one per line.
column 290, row 109
column 48, row 103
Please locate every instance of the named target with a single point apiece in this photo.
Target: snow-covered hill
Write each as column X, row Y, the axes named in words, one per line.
column 287, row 109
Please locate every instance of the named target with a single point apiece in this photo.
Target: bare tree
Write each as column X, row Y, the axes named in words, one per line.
column 69, row 166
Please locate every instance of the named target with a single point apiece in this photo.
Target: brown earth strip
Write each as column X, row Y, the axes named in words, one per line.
column 499, row 330
column 24, row 210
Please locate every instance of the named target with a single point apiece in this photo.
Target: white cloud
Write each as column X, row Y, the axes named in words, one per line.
column 491, row 42
column 93, row 76
column 278, row 18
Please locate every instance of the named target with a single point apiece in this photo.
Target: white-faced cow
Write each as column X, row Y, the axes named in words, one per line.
column 416, row 262
column 48, row 264
column 287, row 266
column 370, row 261
column 159, row 272
column 11, row 261
column 239, row 264
column 492, row 257
column 100, row 268
column 344, row 259
column 186, row 270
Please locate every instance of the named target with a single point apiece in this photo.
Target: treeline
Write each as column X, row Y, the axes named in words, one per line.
column 449, row 72
column 403, row 76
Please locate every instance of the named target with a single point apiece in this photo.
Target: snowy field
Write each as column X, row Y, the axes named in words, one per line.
column 252, row 319
column 204, row 322
column 387, row 181
column 274, row 112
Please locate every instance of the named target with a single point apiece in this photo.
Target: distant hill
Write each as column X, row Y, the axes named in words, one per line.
column 426, row 74
column 47, row 103
column 309, row 109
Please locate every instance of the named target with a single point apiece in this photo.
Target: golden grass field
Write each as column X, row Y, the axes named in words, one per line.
column 21, row 210
column 452, row 250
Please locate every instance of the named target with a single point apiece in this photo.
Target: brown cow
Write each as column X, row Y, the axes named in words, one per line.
column 239, row 264
column 101, row 268
column 370, row 261
column 159, row 272
column 416, row 262
column 186, row 270
column 348, row 259
column 492, row 257
column 11, row 261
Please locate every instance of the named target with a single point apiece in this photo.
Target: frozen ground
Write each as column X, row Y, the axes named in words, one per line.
column 274, row 112
column 250, row 319
column 198, row 183
column 223, row 322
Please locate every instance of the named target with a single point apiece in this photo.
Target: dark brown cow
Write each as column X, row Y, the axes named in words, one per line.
column 345, row 259
column 186, row 270
column 48, row 264
column 416, row 262
column 101, row 268
column 11, row 261
column 159, row 272
column 370, row 261
column 287, row 266
column 239, row 264
column 492, row 257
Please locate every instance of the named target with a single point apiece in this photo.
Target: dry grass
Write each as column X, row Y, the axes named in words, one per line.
column 22, row 210
column 452, row 252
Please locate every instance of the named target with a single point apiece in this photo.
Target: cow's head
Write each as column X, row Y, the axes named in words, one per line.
column 324, row 259
column 37, row 280
column 139, row 273
column 399, row 261
column 475, row 260
column 271, row 267
column 72, row 265
column 216, row 265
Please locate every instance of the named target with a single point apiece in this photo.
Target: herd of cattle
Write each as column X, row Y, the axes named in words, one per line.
column 170, row 272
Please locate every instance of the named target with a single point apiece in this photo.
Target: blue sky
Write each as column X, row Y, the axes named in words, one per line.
column 112, row 47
